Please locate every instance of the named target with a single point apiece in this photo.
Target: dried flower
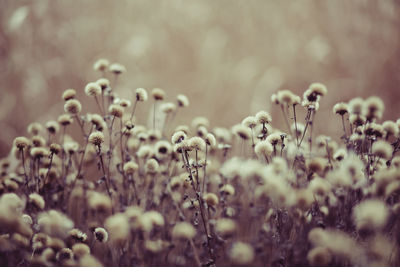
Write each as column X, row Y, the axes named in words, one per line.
column 93, row 89
column 96, row 138
column 225, row 227
column 141, row 94
column 101, row 234
column 197, row 143
column 382, row 149
column 101, row 64
column 263, row 149
column 241, row 253
column 117, row 68
column 182, row 100
column 168, row 108
column 263, row 117
column 130, row 167
column 116, row 110
column 72, row 107
column 36, row 200
column 152, row 166
column 340, row 108
column 52, row 127
column 103, row 83
column 65, row 119
column 69, row 94
column 250, row 122
column 158, row 94
column 118, row 228
column 211, row 199
column 183, row 230
column 370, row 214
column 242, row 131
column 34, row 128
column 21, row 142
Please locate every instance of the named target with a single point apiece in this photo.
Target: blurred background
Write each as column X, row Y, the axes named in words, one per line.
column 228, row 57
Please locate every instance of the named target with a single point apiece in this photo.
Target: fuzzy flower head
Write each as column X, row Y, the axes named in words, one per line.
column 101, row 64
column 182, row 101
column 65, row 119
column 250, row 122
column 242, row 131
column 263, row 149
column 241, row 253
column 141, row 94
column 92, row 89
column 168, row 108
column 197, row 143
column 103, row 83
column 96, row 138
column 117, row 68
column 340, row 108
column 72, row 107
column 382, row 149
column 314, row 92
column 183, row 230
column 158, row 94
column 263, row 117
column 370, row 214
column 287, row 97
column 178, row 137
column 101, row 234
column 374, row 108
column 69, row 94
column 116, row 110
column 130, row 167
column 52, row 127
column 21, row 142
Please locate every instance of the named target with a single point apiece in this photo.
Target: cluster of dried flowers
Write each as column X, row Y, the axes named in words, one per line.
column 122, row 194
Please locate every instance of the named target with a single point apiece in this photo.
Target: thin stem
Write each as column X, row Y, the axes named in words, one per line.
column 83, row 154
column 344, row 127
column 98, row 104
column 286, row 119
column 197, row 170
column 48, row 169
column 23, row 164
column 104, row 173
column 111, row 147
column 307, row 119
column 200, row 200
column 80, row 124
column 205, row 168
column 102, row 101
column 252, row 138
column 295, row 124
column 154, row 114
column 134, row 109
column 121, row 145
column 311, row 129
column 63, row 151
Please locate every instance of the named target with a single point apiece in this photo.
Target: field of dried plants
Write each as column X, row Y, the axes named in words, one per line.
column 257, row 133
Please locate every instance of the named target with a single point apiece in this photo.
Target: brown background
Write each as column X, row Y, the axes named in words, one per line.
column 227, row 56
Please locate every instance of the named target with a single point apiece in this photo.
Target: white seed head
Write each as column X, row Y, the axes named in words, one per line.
column 183, row 230
column 141, row 94
column 241, row 253
column 92, row 89
column 96, row 138
column 182, row 100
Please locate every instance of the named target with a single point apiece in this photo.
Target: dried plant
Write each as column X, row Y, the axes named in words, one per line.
column 124, row 194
